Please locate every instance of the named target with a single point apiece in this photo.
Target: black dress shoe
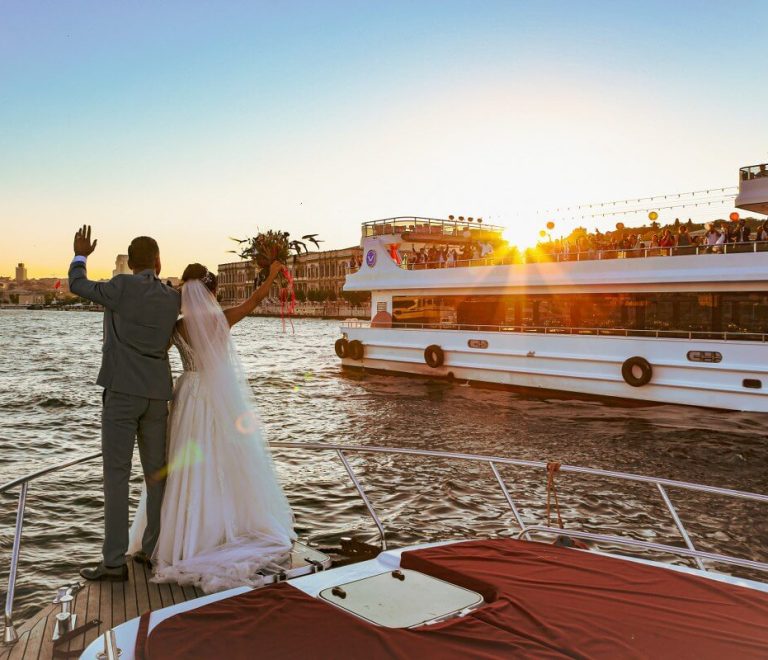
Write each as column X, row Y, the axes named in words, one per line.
column 101, row 572
column 142, row 557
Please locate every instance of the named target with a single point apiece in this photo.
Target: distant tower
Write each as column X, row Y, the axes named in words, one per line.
column 121, row 265
column 21, row 274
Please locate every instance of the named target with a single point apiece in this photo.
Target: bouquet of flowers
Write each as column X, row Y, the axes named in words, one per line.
column 267, row 247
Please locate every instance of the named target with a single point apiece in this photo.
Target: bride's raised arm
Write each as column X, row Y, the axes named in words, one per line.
column 239, row 312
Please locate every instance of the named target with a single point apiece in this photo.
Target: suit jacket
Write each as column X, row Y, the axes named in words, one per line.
column 139, row 317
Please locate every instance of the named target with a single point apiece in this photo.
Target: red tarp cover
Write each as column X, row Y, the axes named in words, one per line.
column 547, row 602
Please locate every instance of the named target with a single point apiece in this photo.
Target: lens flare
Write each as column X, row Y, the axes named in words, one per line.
column 247, row 423
column 189, row 454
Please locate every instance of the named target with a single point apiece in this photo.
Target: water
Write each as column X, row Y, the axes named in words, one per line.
column 51, row 413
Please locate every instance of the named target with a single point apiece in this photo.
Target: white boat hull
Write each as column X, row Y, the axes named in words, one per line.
column 584, row 364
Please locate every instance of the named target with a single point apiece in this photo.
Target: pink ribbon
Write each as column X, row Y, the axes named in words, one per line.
column 288, row 300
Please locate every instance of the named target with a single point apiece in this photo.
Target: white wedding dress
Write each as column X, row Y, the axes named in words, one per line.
column 224, row 515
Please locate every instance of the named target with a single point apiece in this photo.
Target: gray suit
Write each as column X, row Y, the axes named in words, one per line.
column 139, row 317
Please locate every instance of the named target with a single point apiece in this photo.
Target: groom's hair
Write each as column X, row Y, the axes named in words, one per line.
column 143, row 252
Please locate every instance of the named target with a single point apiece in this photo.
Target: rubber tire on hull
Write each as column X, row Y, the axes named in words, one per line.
column 355, row 349
column 341, row 347
column 434, row 356
column 627, row 371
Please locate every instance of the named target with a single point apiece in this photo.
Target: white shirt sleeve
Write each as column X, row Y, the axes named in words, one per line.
column 79, row 259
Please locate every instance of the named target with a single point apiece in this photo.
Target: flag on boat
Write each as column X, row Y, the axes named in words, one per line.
column 57, row 286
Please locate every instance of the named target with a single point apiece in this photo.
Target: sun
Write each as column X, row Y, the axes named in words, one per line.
column 523, row 237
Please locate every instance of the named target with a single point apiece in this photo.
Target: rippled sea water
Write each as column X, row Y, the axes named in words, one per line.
column 51, row 413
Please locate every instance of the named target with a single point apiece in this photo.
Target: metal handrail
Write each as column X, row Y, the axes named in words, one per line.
column 10, row 636
column 518, row 257
column 431, row 222
column 660, row 484
column 563, row 330
column 40, row 473
column 697, row 555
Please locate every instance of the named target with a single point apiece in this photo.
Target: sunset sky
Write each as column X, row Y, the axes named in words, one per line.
column 194, row 121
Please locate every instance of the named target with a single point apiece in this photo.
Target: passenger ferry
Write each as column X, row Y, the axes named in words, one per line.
column 673, row 325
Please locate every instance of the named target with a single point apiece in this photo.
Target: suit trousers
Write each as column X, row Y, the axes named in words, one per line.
column 127, row 418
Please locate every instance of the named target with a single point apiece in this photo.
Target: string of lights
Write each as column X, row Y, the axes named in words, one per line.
column 717, row 202
column 725, row 191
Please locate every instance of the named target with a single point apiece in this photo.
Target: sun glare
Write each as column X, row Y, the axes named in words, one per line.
column 522, row 237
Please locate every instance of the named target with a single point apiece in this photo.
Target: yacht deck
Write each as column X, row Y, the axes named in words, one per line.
column 111, row 603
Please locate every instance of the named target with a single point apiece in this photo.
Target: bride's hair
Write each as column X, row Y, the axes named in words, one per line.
column 200, row 272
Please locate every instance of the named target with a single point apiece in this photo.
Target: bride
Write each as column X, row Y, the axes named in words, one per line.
column 224, row 515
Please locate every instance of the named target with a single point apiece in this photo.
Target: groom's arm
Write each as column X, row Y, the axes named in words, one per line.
column 104, row 293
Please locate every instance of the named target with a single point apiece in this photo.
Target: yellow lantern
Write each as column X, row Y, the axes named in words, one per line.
column 653, row 215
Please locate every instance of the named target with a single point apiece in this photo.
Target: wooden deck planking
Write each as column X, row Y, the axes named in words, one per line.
column 80, row 608
column 131, row 610
column 111, row 602
column 37, row 640
column 140, row 589
column 165, row 594
column 177, row 593
column 93, row 596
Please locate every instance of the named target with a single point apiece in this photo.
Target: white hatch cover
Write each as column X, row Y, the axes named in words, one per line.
column 401, row 598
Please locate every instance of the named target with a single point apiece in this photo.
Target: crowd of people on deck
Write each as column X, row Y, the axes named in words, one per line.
column 678, row 239
column 668, row 241
column 444, row 256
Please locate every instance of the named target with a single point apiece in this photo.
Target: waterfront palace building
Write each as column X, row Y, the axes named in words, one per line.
column 312, row 272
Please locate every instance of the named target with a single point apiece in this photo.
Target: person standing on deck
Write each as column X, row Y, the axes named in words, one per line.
column 140, row 313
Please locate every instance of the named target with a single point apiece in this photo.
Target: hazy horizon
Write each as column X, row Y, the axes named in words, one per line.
column 196, row 122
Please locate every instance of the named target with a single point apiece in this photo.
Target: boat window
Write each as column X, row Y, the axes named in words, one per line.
column 671, row 313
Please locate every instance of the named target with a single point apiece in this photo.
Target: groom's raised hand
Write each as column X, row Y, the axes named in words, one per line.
column 83, row 246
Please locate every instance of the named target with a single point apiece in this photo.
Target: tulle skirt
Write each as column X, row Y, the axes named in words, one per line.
column 224, row 515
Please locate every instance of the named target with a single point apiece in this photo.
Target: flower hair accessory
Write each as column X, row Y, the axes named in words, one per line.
column 209, row 279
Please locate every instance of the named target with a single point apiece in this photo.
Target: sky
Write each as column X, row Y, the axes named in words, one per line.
column 195, row 121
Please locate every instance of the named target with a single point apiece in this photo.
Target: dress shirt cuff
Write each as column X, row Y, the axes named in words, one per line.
column 79, row 259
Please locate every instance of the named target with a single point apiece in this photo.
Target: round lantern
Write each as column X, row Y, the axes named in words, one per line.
column 550, row 225
column 734, row 216
column 653, row 215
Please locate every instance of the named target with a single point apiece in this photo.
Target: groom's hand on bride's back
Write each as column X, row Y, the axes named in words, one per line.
column 82, row 244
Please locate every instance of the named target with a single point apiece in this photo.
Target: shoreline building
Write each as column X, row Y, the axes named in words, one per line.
column 21, row 273
column 121, row 265
column 315, row 274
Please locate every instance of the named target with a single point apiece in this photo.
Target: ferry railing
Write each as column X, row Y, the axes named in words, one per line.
column 542, row 256
column 565, row 330
column 754, row 172
column 431, row 226
column 660, row 485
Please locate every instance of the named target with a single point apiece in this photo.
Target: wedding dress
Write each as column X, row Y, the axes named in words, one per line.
column 224, row 515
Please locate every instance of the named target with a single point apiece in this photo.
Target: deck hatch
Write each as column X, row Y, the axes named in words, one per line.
column 402, row 599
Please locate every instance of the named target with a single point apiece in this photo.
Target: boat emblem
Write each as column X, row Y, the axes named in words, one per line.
column 370, row 258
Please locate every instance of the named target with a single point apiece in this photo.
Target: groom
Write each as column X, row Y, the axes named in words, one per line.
column 139, row 316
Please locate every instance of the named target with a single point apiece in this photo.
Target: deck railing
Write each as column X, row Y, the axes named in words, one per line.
column 427, row 226
column 537, row 257
column 659, row 485
column 563, row 330
column 754, row 172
